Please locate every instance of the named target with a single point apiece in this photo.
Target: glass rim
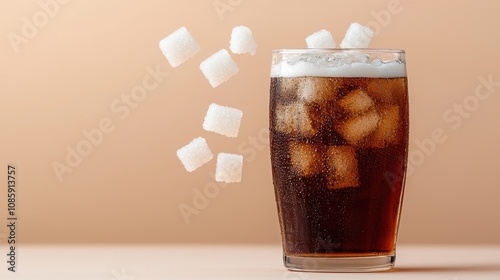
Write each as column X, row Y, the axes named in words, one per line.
column 336, row 50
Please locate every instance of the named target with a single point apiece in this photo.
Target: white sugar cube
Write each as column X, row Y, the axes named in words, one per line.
column 219, row 67
column 179, row 46
column 242, row 41
column 195, row 154
column 320, row 39
column 223, row 120
column 357, row 36
column 229, row 168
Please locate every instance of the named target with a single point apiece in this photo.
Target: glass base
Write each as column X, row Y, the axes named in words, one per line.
column 339, row 264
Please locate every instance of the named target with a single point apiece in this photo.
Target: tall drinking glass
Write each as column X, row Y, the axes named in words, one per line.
column 339, row 146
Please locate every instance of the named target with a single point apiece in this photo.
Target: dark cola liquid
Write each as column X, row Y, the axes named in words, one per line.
column 353, row 215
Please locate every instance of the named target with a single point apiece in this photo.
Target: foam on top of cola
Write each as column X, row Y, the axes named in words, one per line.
column 342, row 64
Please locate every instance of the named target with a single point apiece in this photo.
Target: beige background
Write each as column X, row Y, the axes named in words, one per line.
column 66, row 76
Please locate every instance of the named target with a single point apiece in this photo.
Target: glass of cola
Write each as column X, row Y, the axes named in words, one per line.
column 339, row 145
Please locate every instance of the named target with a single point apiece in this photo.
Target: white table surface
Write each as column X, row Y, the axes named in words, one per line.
column 234, row 262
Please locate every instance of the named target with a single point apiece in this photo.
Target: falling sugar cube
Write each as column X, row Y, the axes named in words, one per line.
column 242, row 41
column 306, row 159
column 357, row 36
column 229, row 168
column 343, row 167
column 320, row 39
column 223, row 120
column 179, row 46
column 195, row 154
column 218, row 68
